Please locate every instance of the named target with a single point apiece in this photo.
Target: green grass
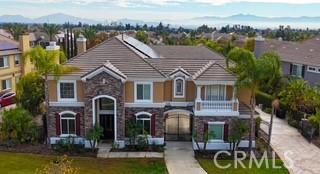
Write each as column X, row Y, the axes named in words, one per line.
column 18, row 163
column 210, row 167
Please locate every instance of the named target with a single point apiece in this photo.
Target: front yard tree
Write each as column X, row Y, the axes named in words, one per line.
column 251, row 73
column 238, row 131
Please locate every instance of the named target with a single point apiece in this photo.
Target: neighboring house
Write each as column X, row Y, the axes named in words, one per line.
column 11, row 66
column 299, row 59
column 173, row 91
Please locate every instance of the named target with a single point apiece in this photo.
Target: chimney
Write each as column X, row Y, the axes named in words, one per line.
column 54, row 47
column 259, row 46
column 24, row 46
column 81, row 44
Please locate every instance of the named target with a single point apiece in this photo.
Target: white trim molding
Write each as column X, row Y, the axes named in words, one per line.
column 104, row 69
column 144, row 105
column 183, row 87
column 216, row 113
column 143, row 113
column 214, row 82
column 67, row 104
column 180, row 104
column 74, row 91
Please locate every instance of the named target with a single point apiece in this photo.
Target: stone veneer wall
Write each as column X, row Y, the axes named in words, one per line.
column 52, row 118
column 199, row 122
column 104, row 84
column 158, row 112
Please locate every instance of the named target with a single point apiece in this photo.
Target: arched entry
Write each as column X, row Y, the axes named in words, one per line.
column 178, row 125
column 105, row 115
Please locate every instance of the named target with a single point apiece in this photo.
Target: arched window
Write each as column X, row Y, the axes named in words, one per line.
column 144, row 119
column 68, row 123
column 179, row 85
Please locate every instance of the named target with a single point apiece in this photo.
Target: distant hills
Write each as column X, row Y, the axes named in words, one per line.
column 243, row 19
column 57, row 18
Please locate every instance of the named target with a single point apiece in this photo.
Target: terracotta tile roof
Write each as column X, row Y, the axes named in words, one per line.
column 307, row 52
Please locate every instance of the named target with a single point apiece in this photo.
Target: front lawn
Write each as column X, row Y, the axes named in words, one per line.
column 19, row 163
column 210, row 167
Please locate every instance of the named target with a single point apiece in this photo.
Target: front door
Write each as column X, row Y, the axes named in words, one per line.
column 178, row 127
column 107, row 123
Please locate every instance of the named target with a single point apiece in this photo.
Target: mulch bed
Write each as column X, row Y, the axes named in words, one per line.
column 43, row 149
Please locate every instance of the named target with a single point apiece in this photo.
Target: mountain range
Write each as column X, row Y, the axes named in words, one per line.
column 245, row 19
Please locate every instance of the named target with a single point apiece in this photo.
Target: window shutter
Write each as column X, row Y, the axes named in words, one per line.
column 205, row 128
column 58, row 129
column 303, row 69
column 78, row 124
column 290, row 69
column 226, row 132
column 153, row 125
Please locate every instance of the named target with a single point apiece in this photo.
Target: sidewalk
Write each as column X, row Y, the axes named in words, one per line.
column 286, row 139
column 179, row 157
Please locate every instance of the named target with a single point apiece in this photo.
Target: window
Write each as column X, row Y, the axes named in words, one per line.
column 144, row 119
column 313, row 69
column 4, row 62
column 143, row 92
column 17, row 59
column 297, row 70
column 179, row 86
column 215, row 92
column 216, row 131
column 68, row 123
column 6, row 84
column 67, row 90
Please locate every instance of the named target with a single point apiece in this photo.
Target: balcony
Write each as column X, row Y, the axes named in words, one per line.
column 217, row 108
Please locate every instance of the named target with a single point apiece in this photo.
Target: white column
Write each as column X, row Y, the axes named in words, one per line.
column 199, row 93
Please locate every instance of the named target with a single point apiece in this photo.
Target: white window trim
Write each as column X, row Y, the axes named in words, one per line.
column 136, row 90
column 15, row 56
column 75, row 91
column 75, row 123
column 8, row 62
column 317, row 70
column 183, row 87
column 217, row 123
column 8, row 85
column 225, row 91
column 143, row 119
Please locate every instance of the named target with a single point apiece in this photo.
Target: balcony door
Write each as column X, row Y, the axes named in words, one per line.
column 215, row 92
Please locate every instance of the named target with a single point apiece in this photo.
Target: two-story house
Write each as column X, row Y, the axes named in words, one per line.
column 299, row 59
column 11, row 65
column 173, row 91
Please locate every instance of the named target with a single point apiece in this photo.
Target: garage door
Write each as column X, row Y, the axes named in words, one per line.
column 178, row 127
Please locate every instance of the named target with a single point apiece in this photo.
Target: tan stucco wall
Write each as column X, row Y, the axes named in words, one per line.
column 158, row 90
column 168, row 90
column 52, row 85
column 12, row 72
column 191, row 91
column 129, row 92
column 244, row 96
column 80, row 91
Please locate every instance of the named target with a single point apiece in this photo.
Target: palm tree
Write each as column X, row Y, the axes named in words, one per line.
column 90, row 34
column 251, row 73
column 16, row 30
column 45, row 63
column 50, row 29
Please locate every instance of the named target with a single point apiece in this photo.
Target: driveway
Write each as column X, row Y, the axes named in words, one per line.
column 180, row 159
column 286, row 139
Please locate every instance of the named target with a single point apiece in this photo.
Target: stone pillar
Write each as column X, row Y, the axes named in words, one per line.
column 198, row 99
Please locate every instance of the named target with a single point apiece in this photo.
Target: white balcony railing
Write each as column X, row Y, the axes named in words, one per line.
column 216, row 107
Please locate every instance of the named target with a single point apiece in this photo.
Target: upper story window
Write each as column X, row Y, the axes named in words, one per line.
column 6, row 84
column 4, row 62
column 313, row 69
column 17, row 59
column 297, row 70
column 143, row 91
column 179, row 87
column 67, row 90
column 215, row 92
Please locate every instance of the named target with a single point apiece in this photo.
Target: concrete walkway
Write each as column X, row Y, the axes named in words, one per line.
column 180, row 159
column 286, row 139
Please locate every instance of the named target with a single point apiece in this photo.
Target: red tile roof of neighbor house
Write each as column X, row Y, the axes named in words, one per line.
column 199, row 61
column 306, row 52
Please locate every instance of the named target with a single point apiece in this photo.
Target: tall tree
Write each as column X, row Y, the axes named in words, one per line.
column 16, row 30
column 251, row 73
column 50, row 29
column 90, row 34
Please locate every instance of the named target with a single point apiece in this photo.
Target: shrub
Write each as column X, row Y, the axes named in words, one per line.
column 142, row 142
column 17, row 124
column 68, row 145
column 267, row 110
column 61, row 166
column 94, row 136
column 264, row 99
column 30, row 92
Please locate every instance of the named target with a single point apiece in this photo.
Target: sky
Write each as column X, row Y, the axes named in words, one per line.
column 150, row 10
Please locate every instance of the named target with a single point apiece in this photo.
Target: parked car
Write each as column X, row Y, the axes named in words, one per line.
column 7, row 97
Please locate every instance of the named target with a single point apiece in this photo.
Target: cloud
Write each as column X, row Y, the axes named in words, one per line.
column 127, row 3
